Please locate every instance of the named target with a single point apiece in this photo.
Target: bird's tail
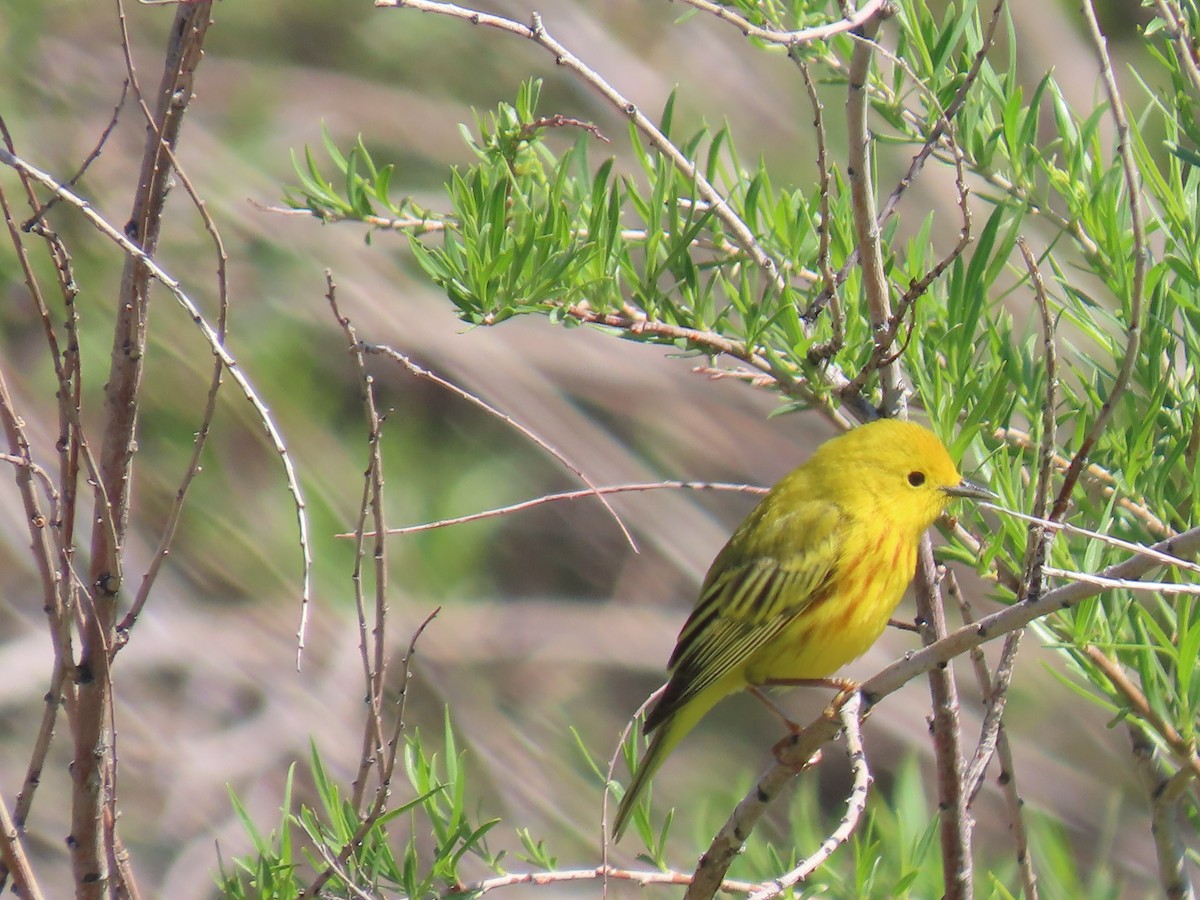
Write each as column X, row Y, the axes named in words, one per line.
column 669, row 733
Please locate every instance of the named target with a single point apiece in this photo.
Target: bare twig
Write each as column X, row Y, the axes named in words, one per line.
column 570, row 495
column 422, row 372
column 1170, row 588
column 1007, row 778
column 955, row 822
column 15, row 862
column 40, row 211
column 837, row 321
column 1097, row 474
column 1150, row 553
column 192, row 468
column 566, row 876
column 374, row 664
column 852, row 19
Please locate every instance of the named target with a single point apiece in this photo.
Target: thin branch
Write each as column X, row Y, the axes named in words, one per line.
column 333, row 865
column 475, row 400
column 374, row 665
column 564, row 876
column 40, row 211
column 1182, row 749
column 1150, row 553
column 1007, row 778
column 192, row 468
column 853, row 19
column 1097, row 474
column 14, row 859
column 850, row 714
column 837, row 319
column 711, row 342
column 569, row 495
column 1170, row 588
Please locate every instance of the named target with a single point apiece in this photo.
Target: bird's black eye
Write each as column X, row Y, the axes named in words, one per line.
column 916, row 479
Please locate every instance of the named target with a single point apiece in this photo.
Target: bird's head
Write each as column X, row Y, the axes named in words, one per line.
column 896, row 469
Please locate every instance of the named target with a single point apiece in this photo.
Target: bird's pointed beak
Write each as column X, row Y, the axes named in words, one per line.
column 970, row 490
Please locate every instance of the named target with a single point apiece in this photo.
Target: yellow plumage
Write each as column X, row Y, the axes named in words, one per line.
column 809, row 580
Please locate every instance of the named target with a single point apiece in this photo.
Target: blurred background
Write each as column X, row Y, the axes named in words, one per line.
column 549, row 620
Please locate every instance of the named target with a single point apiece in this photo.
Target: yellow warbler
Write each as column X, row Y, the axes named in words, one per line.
column 809, row 580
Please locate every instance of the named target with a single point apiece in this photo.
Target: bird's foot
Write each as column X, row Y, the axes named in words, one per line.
column 782, row 749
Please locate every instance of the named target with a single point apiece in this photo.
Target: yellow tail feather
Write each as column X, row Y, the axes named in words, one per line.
column 666, row 736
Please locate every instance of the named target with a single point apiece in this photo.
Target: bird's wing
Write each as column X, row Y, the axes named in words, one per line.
column 748, row 598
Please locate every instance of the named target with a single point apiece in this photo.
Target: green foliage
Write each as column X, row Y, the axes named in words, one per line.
column 440, row 830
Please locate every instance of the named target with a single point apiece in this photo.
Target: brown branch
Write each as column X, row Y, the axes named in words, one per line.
column 1007, row 778
column 93, row 838
column 14, row 860
column 955, row 822
column 374, row 665
column 422, row 372
column 1183, row 749
column 876, row 291
column 716, row 344
column 568, row 495
column 852, row 19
